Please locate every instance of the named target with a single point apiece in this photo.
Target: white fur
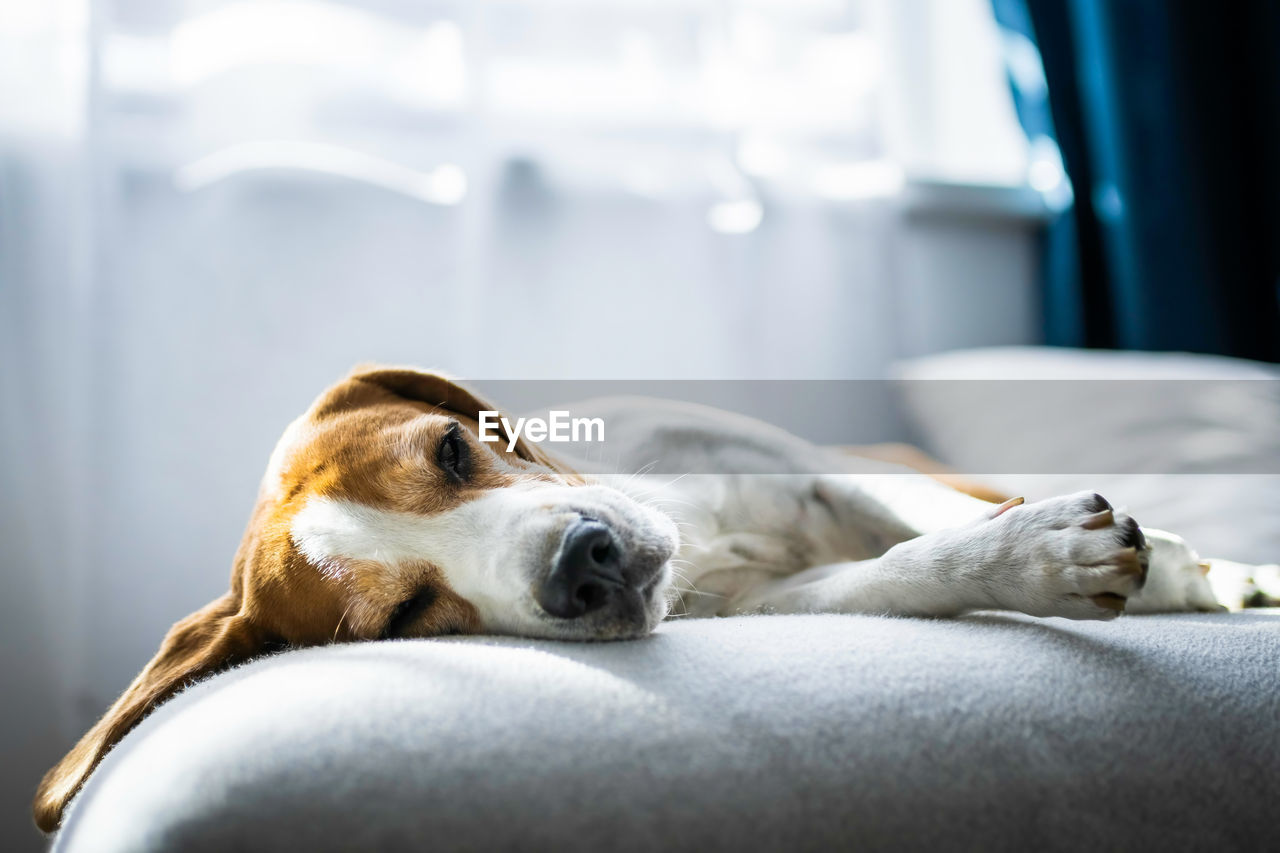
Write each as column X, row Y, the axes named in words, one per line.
column 773, row 544
column 329, row 532
column 1175, row 581
column 491, row 550
column 294, row 435
column 761, row 543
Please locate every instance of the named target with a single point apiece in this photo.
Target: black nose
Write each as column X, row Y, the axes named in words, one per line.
column 585, row 574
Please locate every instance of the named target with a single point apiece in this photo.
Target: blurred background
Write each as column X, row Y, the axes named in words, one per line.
column 210, row 210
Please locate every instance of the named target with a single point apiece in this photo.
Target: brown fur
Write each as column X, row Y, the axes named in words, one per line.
column 913, row 457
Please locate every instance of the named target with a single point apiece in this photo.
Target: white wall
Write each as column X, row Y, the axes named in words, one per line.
column 43, row 493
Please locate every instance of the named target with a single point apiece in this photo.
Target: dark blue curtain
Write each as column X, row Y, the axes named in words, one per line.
column 1167, row 113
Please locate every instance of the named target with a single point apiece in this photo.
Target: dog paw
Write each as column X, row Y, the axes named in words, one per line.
column 1181, row 581
column 1074, row 556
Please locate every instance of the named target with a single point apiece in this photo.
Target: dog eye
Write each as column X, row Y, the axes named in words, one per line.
column 407, row 612
column 454, row 455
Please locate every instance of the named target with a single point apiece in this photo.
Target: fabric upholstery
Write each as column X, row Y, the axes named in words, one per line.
column 1189, row 444
column 994, row 732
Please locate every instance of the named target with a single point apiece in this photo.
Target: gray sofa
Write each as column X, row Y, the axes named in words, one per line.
column 995, row 732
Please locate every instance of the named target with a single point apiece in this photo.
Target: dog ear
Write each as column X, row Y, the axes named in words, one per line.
column 209, row 640
column 435, row 390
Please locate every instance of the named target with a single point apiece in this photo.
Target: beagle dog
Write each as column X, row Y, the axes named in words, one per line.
column 382, row 515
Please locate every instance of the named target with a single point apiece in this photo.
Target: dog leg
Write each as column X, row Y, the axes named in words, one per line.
column 1179, row 580
column 1072, row 556
column 1241, row 585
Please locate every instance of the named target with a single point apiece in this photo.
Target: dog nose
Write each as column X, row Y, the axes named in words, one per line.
column 586, row 573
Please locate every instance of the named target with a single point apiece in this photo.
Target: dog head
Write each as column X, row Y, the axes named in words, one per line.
column 383, row 515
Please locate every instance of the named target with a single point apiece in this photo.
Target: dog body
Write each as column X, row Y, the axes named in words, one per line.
column 798, row 528
column 381, row 515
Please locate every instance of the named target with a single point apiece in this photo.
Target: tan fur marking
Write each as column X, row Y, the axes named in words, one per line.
column 376, row 591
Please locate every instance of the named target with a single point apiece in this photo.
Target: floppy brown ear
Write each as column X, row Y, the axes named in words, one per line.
column 211, row 639
column 441, row 392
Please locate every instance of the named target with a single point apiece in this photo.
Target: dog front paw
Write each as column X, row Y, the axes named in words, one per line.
column 1074, row 556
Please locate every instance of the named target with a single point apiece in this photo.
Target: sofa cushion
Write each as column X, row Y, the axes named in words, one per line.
column 1186, row 443
column 991, row 732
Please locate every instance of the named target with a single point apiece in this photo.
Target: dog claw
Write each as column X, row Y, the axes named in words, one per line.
column 1109, row 600
column 1128, row 562
column 1007, row 505
column 1098, row 520
column 1204, row 565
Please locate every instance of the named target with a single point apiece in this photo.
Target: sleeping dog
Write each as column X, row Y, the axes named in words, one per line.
column 383, row 515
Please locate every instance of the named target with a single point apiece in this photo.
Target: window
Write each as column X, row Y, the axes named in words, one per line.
column 838, row 99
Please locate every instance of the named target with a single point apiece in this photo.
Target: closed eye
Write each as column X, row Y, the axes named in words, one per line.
column 453, row 455
column 407, row 612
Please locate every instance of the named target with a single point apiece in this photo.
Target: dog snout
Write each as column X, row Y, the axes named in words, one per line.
column 586, row 574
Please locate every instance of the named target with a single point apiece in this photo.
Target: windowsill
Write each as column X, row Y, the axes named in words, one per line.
column 937, row 198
